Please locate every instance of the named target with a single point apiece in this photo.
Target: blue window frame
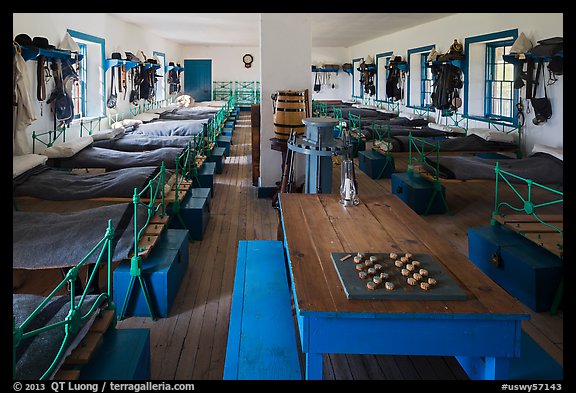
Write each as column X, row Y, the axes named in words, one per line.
column 161, row 85
column 79, row 86
column 423, row 49
column 499, row 95
column 379, row 58
column 488, row 40
column 356, row 74
column 91, row 95
column 426, row 81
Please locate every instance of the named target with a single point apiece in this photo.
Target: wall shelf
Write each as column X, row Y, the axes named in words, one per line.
column 109, row 63
column 518, row 57
column 455, row 63
column 32, row 54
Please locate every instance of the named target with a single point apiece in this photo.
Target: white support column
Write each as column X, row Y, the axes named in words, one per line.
column 286, row 55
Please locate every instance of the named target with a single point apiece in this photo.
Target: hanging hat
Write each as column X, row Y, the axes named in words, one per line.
column 368, row 60
column 521, row 45
column 24, row 40
column 42, row 43
column 68, row 43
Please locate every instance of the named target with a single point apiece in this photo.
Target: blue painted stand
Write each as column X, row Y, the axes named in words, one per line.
column 217, row 156
column 261, row 337
column 224, row 141
column 205, row 178
column 163, row 271
column 376, row 165
column 227, row 132
column 527, row 271
column 195, row 213
column 416, row 192
column 204, row 193
column 124, row 354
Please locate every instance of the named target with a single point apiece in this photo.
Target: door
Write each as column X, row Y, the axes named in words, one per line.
column 198, row 79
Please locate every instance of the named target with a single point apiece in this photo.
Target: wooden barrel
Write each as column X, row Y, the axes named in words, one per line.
column 290, row 107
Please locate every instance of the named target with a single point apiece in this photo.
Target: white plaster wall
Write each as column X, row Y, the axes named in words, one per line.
column 442, row 32
column 227, row 64
column 119, row 36
column 342, row 89
column 285, row 65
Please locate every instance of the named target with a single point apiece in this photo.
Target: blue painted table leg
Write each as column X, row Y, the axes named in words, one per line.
column 496, row 368
column 313, row 366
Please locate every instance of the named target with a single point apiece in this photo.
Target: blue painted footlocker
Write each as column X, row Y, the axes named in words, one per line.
column 527, row 271
column 162, row 271
column 195, row 213
column 205, row 177
column 217, row 156
column 124, row 354
column 225, row 142
column 261, row 337
column 418, row 193
column 375, row 165
column 199, row 192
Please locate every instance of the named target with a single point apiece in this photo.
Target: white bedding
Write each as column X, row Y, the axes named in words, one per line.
column 447, row 128
column 557, row 152
column 68, row 149
column 110, row 133
column 21, row 164
column 492, row 135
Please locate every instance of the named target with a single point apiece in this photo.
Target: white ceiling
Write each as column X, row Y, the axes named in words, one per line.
column 242, row 29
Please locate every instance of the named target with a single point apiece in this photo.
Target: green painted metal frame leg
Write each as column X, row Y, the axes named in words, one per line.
column 136, row 272
column 437, row 191
column 176, row 213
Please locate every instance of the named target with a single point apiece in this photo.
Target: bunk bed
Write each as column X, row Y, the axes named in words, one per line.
column 47, row 329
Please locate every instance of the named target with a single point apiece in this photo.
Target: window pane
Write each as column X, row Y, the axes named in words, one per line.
column 508, row 71
column 507, row 90
column 496, row 107
column 499, row 72
column 495, row 89
column 507, row 108
column 499, row 51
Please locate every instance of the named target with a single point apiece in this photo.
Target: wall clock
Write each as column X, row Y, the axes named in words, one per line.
column 247, row 59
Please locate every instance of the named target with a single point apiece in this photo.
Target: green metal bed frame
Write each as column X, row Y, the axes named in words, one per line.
column 73, row 321
column 527, row 206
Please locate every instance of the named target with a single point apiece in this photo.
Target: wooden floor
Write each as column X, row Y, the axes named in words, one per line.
column 191, row 342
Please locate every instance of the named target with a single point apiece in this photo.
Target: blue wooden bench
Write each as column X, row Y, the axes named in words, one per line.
column 262, row 342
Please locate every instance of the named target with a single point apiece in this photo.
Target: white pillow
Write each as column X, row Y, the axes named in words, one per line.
column 439, row 127
column 492, row 135
column 557, row 152
column 21, row 164
column 147, row 116
column 410, row 115
column 447, row 128
column 383, row 110
column 107, row 134
column 68, row 149
column 126, row 123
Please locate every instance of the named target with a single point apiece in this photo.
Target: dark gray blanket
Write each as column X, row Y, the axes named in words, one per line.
column 141, row 142
column 170, row 128
column 395, row 130
column 472, row 143
column 57, row 185
column 395, row 121
column 34, row 355
column 52, row 240
column 540, row 167
column 109, row 159
column 366, row 113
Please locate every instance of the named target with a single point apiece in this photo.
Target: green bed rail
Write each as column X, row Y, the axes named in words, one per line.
column 388, row 105
column 526, row 204
column 73, row 321
column 89, row 124
column 53, row 136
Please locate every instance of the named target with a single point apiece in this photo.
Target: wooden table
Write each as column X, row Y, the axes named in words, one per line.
column 482, row 332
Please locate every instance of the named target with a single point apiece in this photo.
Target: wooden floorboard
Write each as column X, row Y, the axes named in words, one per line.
column 191, row 342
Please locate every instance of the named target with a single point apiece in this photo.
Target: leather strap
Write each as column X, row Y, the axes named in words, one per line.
column 41, row 86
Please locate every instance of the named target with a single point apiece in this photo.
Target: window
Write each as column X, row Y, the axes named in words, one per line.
column 79, row 86
column 382, row 61
column 420, row 79
column 499, row 91
column 426, row 81
column 357, row 90
column 161, row 80
column 89, row 93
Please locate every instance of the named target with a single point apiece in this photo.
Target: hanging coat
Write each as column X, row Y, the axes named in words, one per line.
column 24, row 112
